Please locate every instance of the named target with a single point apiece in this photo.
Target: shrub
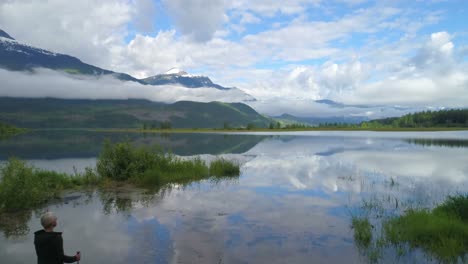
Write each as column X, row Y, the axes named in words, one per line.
column 121, row 161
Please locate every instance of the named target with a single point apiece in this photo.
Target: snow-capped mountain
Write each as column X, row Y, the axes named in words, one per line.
column 18, row 56
column 5, row 35
column 178, row 76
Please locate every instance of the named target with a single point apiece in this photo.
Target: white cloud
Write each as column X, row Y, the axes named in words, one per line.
column 197, row 19
column 87, row 29
column 433, row 77
column 47, row 83
column 145, row 56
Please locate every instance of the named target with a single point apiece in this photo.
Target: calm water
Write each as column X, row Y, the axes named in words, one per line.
column 292, row 203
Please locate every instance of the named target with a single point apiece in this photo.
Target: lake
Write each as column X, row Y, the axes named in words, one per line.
column 292, row 203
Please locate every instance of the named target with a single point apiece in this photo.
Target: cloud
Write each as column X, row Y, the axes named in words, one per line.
column 47, row 83
column 433, row 77
column 145, row 11
column 88, row 29
column 197, row 19
column 146, row 56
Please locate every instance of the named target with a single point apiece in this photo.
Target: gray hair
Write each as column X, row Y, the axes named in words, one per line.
column 48, row 219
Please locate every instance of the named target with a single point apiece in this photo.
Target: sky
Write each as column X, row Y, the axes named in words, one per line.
column 377, row 58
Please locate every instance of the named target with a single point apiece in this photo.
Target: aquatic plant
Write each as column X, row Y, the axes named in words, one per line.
column 152, row 167
column 224, row 167
column 441, row 232
column 23, row 186
column 173, row 170
column 362, row 231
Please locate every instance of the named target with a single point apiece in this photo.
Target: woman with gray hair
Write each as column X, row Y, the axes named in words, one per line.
column 49, row 244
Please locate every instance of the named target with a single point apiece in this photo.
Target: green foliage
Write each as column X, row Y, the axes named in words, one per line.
column 442, row 235
column 222, row 167
column 362, row 231
column 23, row 186
column 173, row 170
column 153, row 168
column 441, row 232
column 442, row 118
column 122, row 161
column 426, row 119
column 132, row 113
column 456, row 206
column 296, row 126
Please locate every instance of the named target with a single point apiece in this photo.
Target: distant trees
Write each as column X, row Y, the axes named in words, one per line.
column 155, row 125
column 425, row 119
column 165, row 125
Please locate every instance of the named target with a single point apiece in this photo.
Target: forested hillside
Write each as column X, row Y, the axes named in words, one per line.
column 442, row 118
column 80, row 113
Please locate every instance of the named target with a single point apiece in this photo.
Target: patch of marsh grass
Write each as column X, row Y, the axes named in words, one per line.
column 152, row 167
column 362, row 231
column 442, row 232
column 23, row 186
column 222, row 167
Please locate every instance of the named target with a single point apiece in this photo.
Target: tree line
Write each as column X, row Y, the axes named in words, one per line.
column 425, row 119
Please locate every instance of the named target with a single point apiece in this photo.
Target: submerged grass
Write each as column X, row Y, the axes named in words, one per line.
column 362, row 231
column 24, row 187
column 442, row 232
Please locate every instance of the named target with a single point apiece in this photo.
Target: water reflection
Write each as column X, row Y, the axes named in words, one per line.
column 56, row 144
column 292, row 204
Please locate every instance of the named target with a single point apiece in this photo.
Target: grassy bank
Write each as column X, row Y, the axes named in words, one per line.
column 23, row 186
column 442, row 233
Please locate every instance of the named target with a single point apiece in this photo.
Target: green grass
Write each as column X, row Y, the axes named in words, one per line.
column 25, row 187
column 152, row 167
column 222, row 167
column 362, row 231
column 442, row 233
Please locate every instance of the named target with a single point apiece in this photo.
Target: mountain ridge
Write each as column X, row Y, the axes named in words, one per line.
column 130, row 113
column 18, row 56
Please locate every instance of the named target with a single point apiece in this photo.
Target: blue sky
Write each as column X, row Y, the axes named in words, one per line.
column 286, row 54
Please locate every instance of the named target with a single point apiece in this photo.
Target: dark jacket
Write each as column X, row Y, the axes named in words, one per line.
column 49, row 248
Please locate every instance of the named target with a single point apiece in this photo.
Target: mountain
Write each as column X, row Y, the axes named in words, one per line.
column 290, row 119
column 3, row 34
column 17, row 56
column 134, row 113
column 177, row 76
